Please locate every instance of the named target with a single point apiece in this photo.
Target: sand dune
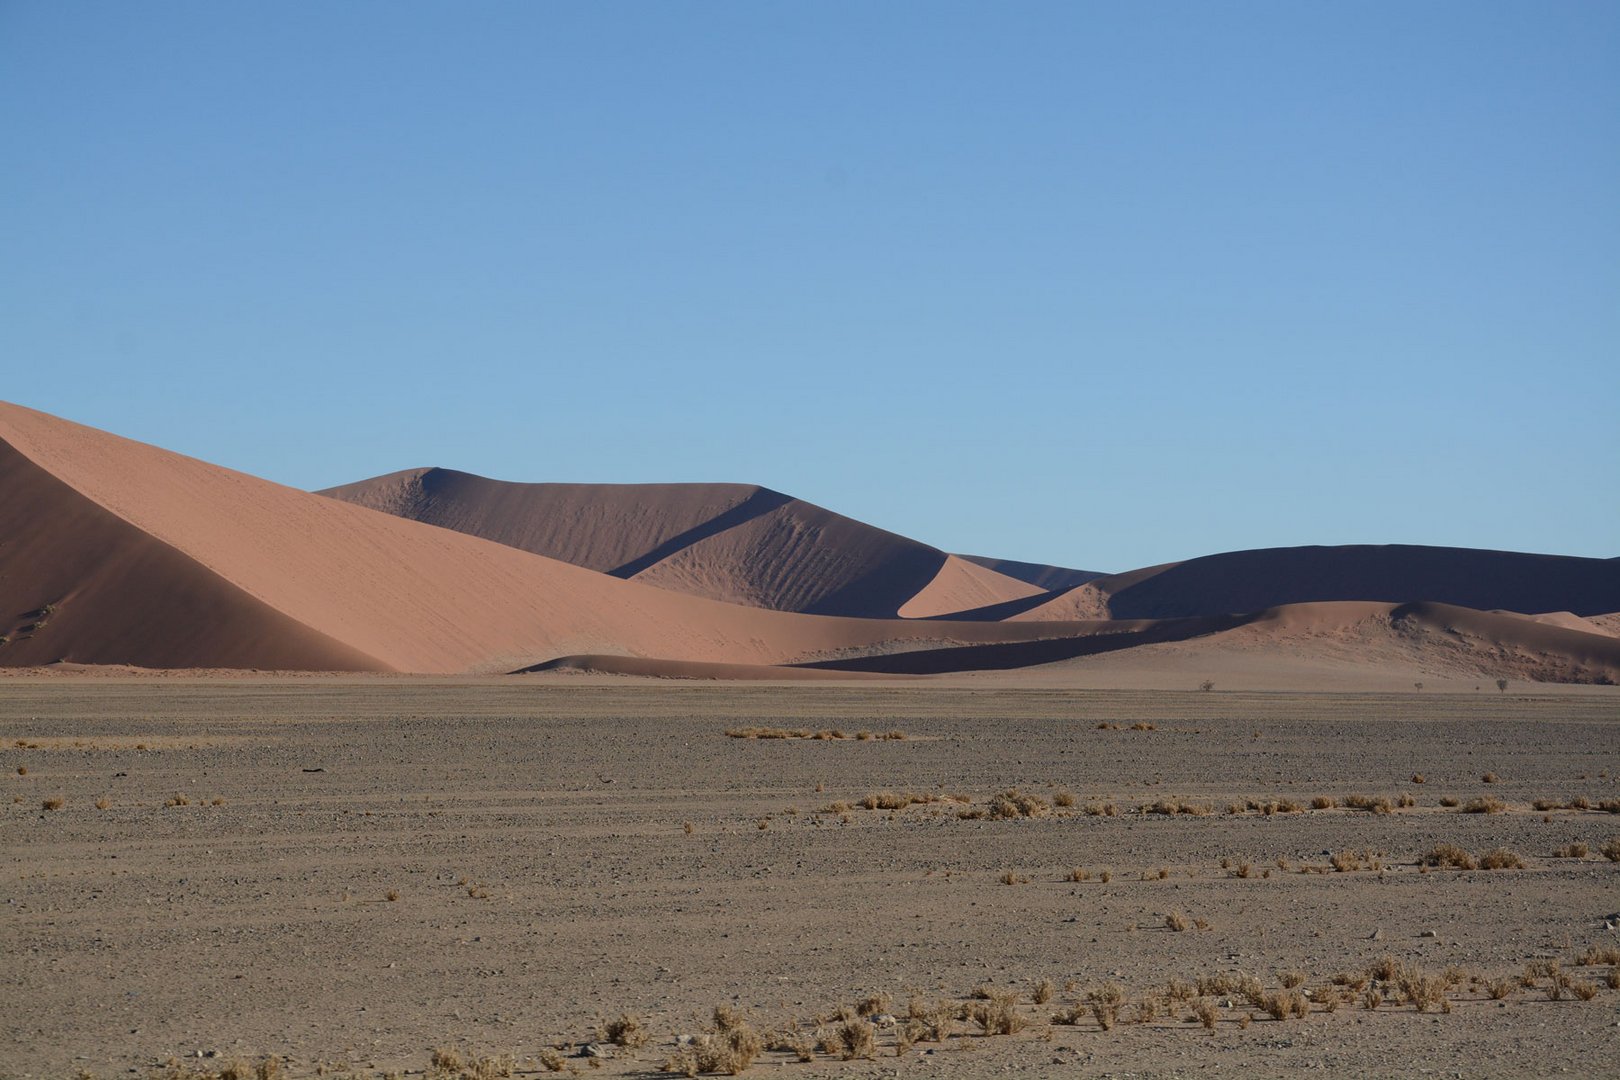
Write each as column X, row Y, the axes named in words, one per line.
column 1242, row 581
column 113, row 552
column 738, row 543
column 1441, row 638
column 287, row 579
column 1049, row 578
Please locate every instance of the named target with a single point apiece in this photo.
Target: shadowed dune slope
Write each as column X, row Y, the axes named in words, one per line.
column 119, row 592
column 123, row 537
column 1242, row 581
column 1426, row 636
column 1049, row 578
column 737, row 543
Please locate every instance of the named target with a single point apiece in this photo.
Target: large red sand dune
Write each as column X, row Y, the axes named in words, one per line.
column 739, row 543
column 159, row 560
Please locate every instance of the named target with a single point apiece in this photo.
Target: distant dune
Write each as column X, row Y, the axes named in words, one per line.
column 113, row 552
column 1242, row 581
column 738, row 543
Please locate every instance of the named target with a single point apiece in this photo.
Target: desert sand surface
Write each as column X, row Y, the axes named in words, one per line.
column 562, row 849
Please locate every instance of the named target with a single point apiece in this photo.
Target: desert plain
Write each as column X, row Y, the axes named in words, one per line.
column 352, row 873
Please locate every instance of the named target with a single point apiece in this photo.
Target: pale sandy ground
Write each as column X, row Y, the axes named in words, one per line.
column 142, row 931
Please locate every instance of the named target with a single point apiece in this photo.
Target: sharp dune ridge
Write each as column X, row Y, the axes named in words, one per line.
column 740, row 543
column 114, row 552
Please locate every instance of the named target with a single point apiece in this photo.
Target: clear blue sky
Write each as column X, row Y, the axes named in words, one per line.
column 1095, row 284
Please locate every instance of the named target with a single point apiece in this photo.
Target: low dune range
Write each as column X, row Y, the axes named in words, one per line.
column 120, row 553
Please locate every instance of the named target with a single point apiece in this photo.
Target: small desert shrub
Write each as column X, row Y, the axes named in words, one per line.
column 1010, row 878
column 1105, row 1002
column 1102, row 810
column 1043, row 992
column 731, row 1049
column 1373, row 804
column 1079, row 874
column 1324, row 802
column 392, row 895
column 1204, row 1010
column 1108, row 875
column 1013, row 803
column 22, row 770
column 178, row 800
column 1486, row 804
column 53, row 803
column 1584, row 990
column 103, row 802
column 1177, row 921
column 1499, row 989
column 1449, row 855
column 932, row 1021
column 1207, row 685
column 1610, row 849
column 1285, row 1003
column 1143, row 725
column 625, row 1031
column 1489, row 778
column 1291, row 979
column 1501, row 858
column 872, row 1004
column 1345, row 861
column 1450, row 800
column 551, row 1061
column 1417, row 778
column 999, row 1016
column 1580, row 802
column 1064, row 799
column 1424, row 991
column 855, row 1038
column 1544, row 805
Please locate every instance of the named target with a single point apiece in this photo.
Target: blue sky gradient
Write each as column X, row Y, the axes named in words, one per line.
column 1101, row 285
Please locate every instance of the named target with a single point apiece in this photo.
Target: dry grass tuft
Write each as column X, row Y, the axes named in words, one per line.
column 1176, row 921
column 1205, row 1012
column 1009, row 878
column 627, row 1030
column 1501, row 858
column 1449, row 855
column 731, row 1048
column 1610, row 849
column 1324, row 802
column 1013, row 803
column 1577, row 850
column 1485, row 804
column 1380, row 804
column 53, row 803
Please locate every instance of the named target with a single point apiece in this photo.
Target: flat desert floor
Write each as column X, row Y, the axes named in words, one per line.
column 349, row 873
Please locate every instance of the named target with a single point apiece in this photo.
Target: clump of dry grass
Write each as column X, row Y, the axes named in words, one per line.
column 1177, row 922
column 1105, row 1002
column 552, row 1061
column 999, row 1015
column 1171, row 807
column 931, row 1020
column 1013, row 803
column 53, row 803
column 1501, row 858
column 1449, row 855
column 627, row 1030
column 1282, row 1004
column 1450, row 800
column 1063, row 798
column 1485, row 804
column 178, row 799
column 1205, row 1012
column 1009, row 878
column 1324, row 802
column 1379, row 804
column 392, row 895
column 1610, row 849
column 1417, row 778
column 1042, row 992
column 872, row 1004
column 1104, row 809
column 730, row 1048
column 1576, row 850
column 1079, row 874
column 1489, row 778
column 852, row 1038
column 1422, row 990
